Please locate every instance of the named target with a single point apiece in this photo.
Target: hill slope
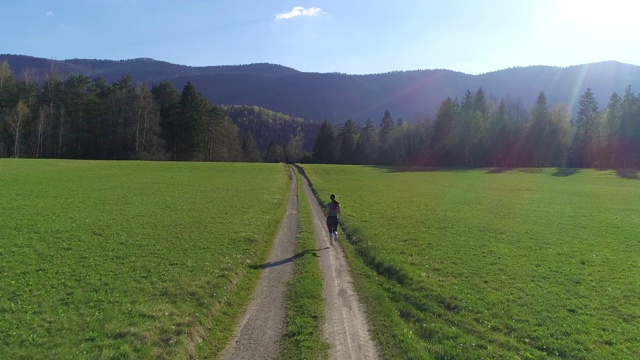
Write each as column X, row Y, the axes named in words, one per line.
column 336, row 97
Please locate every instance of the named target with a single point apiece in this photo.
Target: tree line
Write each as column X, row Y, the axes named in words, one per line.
column 477, row 132
column 274, row 131
column 84, row 118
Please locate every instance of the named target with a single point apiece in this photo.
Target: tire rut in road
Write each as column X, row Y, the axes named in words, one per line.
column 258, row 334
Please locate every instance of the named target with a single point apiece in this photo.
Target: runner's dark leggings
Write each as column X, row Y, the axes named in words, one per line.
column 332, row 223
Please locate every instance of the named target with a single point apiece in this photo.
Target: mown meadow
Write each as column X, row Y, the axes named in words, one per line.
column 469, row 264
column 104, row 259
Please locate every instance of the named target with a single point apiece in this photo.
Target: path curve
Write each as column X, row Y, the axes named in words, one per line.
column 258, row 334
column 346, row 328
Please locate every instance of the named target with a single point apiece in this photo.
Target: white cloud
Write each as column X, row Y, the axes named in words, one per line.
column 299, row 11
column 50, row 13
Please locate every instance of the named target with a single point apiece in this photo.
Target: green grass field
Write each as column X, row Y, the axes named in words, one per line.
column 482, row 264
column 130, row 259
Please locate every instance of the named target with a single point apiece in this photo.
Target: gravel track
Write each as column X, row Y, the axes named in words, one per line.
column 258, row 334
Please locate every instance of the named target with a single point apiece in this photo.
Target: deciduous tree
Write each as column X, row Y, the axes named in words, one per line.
column 275, row 153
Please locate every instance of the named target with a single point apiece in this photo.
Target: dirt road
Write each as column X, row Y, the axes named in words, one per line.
column 258, row 334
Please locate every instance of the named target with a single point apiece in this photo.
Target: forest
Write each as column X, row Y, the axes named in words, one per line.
column 85, row 118
column 477, row 132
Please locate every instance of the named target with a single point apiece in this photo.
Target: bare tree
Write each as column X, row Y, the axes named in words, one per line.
column 61, row 129
column 16, row 121
column 6, row 76
column 40, row 121
column 51, row 93
column 147, row 125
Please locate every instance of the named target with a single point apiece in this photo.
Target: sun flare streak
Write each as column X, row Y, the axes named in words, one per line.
column 577, row 90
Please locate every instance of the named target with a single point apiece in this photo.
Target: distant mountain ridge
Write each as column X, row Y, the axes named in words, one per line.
column 336, row 97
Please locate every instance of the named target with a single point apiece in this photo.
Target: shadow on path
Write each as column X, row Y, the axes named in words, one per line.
column 271, row 264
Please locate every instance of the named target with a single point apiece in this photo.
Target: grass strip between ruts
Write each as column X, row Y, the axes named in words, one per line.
column 303, row 338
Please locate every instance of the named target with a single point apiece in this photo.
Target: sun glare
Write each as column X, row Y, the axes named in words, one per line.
column 602, row 16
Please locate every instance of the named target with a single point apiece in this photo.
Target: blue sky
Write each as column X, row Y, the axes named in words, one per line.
column 347, row 36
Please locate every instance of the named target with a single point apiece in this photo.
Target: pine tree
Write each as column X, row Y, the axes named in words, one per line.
column 501, row 137
column 585, row 146
column 324, row 148
column 558, row 135
column 441, row 143
column 167, row 99
column 250, row 152
column 611, row 132
column 461, row 136
column 630, row 129
column 74, row 121
column 347, row 138
column 366, row 148
column 120, row 128
column 191, row 115
column 538, row 147
column 387, row 125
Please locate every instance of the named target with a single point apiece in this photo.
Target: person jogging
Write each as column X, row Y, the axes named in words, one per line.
column 333, row 210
